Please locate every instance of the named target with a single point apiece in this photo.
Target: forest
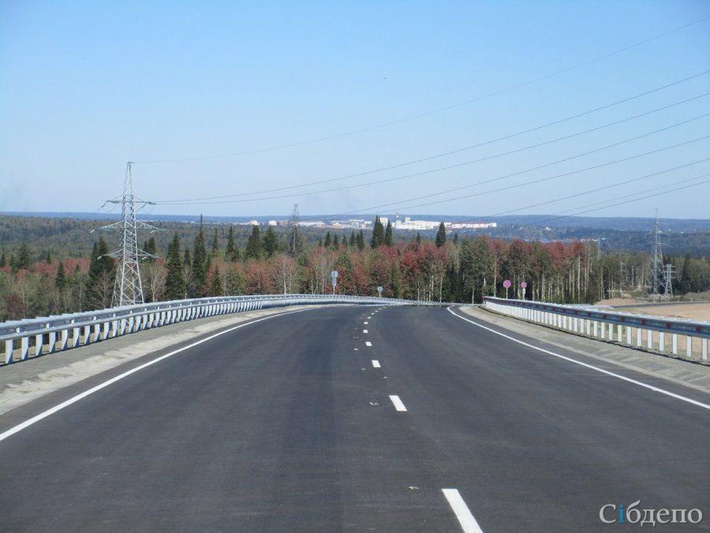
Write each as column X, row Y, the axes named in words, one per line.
column 196, row 260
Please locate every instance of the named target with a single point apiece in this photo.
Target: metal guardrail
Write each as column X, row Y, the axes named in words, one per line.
column 650, row 333
column 40, row 336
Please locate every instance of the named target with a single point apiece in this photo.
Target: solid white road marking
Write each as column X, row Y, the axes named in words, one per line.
column 368, row 343
column 70, row 401
column 398, row 405
column 376, row 363
column 586, row 365
column 466, row 519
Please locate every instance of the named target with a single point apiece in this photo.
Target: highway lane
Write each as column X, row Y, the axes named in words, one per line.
column 289, row 425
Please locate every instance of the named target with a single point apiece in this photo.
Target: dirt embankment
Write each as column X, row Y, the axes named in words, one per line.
column 699, row 311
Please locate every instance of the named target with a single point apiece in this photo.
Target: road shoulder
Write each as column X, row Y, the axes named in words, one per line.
column 686, row 373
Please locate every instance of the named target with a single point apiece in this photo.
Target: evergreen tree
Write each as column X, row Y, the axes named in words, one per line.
column 200, row 266
column 216, row 283
column 151, row 248
column 418, row 238
column 684, row 278
column 336, row 244
column 232, row 251
column 378, row 234
column 328, row 242
column 3, row 260
column 187, row 259
column 388, row 234
column 270, row 242
column 235, row 282
column 175, row 279
column 60, row 281
column 353, row 240
column 48, row 257
column 254, row 248
column 102, row 273
column 441, row 236
column 24, row 257
column 320, row 244
column 456, row 238
column 361, row 241
column 215, row 244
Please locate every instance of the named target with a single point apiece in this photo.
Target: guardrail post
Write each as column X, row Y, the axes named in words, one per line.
column 64, row 342
column 52, row 347
column 705, row 349
column 661, row 341
column 688, row 346
column 24, row 348
column 39, row 344
column 9, row 347
column 674, row 344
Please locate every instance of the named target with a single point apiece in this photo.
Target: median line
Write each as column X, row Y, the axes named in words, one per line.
column 376, row 364
column 398, row 405
column 368, row 343
column 462, row 512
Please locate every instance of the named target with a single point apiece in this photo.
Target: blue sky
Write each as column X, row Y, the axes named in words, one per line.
column 268, row 104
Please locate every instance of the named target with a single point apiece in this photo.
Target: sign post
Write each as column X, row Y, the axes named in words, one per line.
column 334, row 276
column 379, row 290
column 507, row 285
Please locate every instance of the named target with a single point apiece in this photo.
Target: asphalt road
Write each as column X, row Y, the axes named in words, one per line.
column 348, row 419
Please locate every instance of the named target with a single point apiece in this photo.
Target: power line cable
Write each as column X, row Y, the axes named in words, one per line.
column 638, row 199
column 451, row 152
column 606, row 187
column 438, row 110
column 458, row 189
column 440, row 169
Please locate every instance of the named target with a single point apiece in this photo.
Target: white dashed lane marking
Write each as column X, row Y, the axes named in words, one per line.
column 398, row 405
column 465, row 518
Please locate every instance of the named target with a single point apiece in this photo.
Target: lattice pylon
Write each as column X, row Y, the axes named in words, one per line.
column 128, row 287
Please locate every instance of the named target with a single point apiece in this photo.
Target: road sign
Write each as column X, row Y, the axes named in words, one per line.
column 334, row 276
column 380, row 289
column 523, row 284
column 507, row 285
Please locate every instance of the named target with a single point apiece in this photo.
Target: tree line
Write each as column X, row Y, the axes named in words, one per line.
column 445, row 268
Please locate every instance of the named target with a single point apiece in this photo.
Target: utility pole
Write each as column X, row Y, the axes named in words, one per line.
column 128, row 288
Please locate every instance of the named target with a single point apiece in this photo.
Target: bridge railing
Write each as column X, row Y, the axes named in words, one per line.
column 39, row 336
column 683, row 338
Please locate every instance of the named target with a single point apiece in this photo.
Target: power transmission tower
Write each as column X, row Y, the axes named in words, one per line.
column 128, row 288
column 295, row 241
column 661, row 284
